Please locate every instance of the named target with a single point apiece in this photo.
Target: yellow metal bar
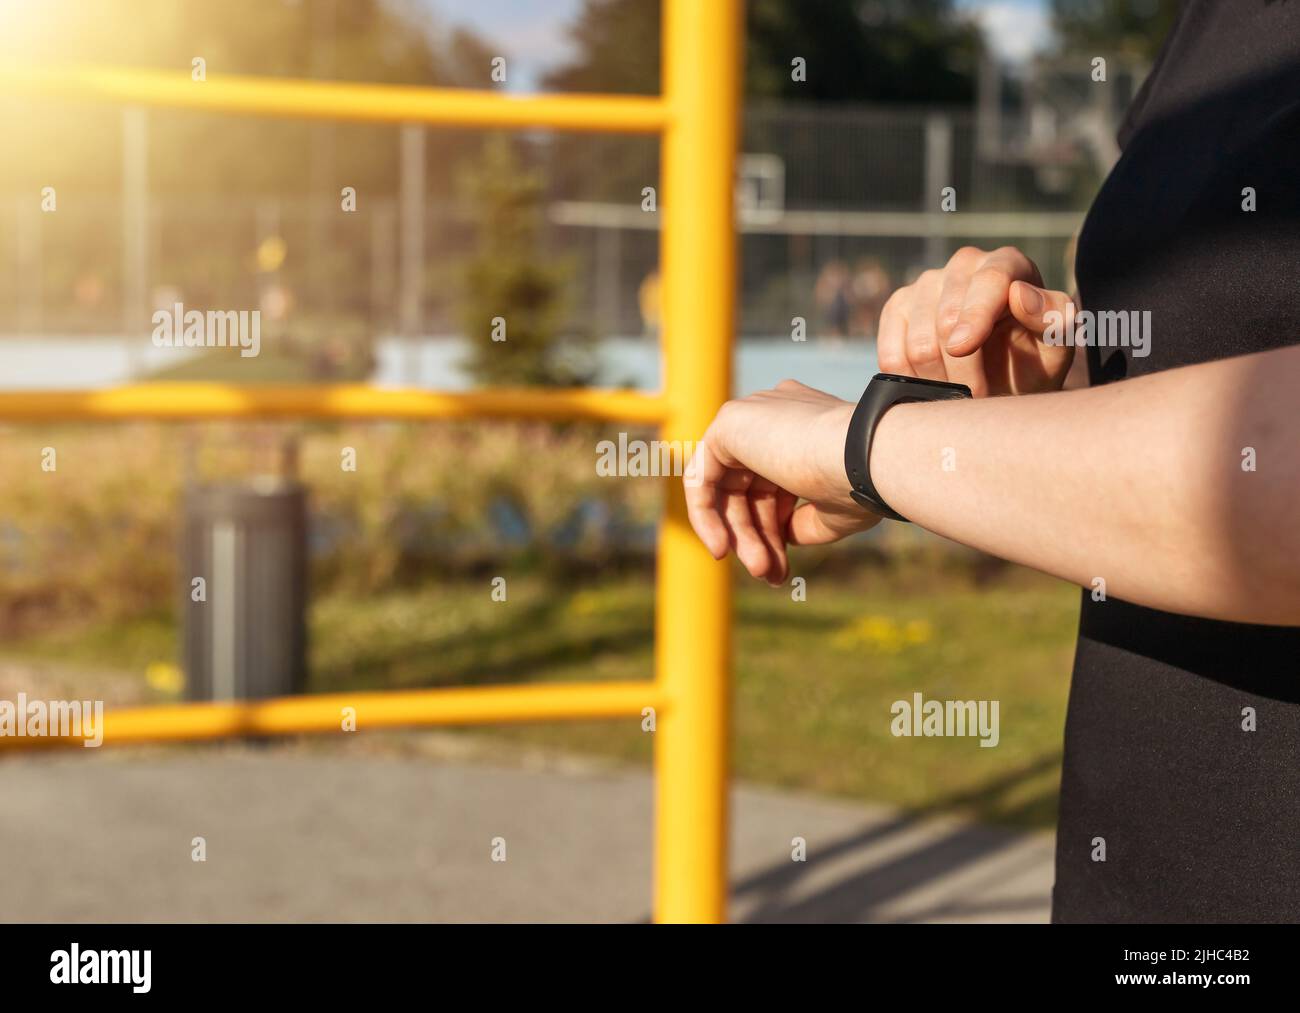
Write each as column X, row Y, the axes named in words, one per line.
column 380, row 103
column 698, row 117
column 402, row 708
column 701, row 46
column 214, row 400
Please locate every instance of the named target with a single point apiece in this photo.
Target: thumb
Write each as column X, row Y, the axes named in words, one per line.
column 818, row 524
column 1036, row 308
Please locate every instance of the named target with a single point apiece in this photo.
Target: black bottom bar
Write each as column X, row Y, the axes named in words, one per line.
column 462, row 965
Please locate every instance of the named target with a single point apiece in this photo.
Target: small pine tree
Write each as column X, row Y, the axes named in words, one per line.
column 511, row 279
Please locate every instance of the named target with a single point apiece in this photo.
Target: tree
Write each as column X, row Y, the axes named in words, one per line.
column 617, row 49
column 877, row 51
column 854, row 51
column 897, row 52
column 387, row 41
column 514, row 306
column 1132, row 27
column 207, row 172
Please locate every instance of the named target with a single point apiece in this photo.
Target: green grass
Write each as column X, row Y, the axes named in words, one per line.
column 815, row 680
column 228, row 366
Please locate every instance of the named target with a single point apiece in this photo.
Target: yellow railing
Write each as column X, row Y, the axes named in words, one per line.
column 697, row 116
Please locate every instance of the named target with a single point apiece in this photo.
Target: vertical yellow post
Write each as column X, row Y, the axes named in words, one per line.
column 701, row 44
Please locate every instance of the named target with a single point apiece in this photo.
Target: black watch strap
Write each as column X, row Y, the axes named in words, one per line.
column 885, row 391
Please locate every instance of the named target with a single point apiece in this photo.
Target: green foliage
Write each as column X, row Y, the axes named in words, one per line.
column 617, row 47
column 344, row 40
column 897, row 51
column 1132, row 27
column 512, row 290
column 881, row 51
column 917, row 51
column 98, row 537
column 206, row 171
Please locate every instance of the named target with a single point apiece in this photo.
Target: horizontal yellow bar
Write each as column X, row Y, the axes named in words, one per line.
column 302, row 715
column 359, row 401
column 379, row 103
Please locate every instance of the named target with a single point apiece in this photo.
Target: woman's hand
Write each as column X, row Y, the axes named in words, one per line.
column 1172, row 530
column 761, row 455
column 978, row 321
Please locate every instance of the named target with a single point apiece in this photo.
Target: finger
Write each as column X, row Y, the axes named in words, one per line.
column 790, row 391
column 986, row 298
column 701, row 483
column 812, row 525
column 763, row 501
column 952, row 295
column 1036, row 308
column 807, row 527
column 924, row 354
column 997, row 357
column 892, row 333
column 788, row 387
column 1018, row 361
column 750, row 548
column 1030, row 363
column 969, row 370
column 785, row 504
column 795, row 387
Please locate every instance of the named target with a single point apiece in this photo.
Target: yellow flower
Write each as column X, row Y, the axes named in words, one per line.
column 918, row 631
column 880, row 633
column 164, row 677
column 584, row 603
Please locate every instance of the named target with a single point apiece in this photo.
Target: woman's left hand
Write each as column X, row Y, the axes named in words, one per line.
column 761, row 455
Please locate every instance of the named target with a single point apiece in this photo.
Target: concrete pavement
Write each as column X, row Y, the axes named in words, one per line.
column 297, row 834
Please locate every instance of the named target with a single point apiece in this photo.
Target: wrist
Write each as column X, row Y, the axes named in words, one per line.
column 830, row 449
column 883, row 396
column 888, row 454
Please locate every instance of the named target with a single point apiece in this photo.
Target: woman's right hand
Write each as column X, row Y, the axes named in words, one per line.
column 978, row 321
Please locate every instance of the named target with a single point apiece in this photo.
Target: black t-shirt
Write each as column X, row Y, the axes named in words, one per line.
column 1200, row 817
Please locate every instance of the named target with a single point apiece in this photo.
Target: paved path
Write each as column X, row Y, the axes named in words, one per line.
column 294, row 835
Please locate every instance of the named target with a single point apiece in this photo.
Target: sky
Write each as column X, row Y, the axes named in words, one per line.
column 1016, row 28
column 534, row 33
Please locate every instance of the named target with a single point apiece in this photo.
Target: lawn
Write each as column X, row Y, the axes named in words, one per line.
column 815, row 679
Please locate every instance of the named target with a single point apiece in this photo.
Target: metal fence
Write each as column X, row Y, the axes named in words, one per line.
column 697, row 121
column 818, row 188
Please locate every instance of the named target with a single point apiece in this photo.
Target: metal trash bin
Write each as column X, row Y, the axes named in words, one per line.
column 246, row 635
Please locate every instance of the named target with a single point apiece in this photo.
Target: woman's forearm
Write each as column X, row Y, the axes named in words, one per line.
column 1180, row 490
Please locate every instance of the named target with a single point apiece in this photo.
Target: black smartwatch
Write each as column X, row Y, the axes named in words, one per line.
column 885, row 391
